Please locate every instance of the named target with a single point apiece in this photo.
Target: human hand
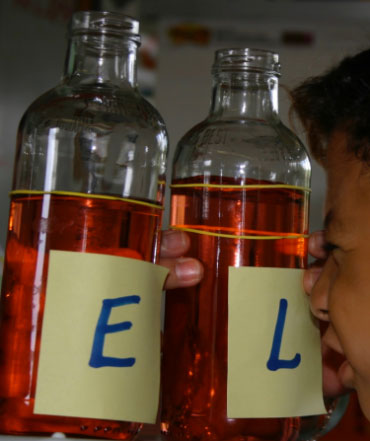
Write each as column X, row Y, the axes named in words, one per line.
column 332, row 360
column 184, row 271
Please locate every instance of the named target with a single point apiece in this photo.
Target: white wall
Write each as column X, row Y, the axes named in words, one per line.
column 31, row 58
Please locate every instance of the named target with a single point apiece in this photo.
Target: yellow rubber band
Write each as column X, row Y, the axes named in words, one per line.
column 85, row 195
column 234, row 236
column 252, row 187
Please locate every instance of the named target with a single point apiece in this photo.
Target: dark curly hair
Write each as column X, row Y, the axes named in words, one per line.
column 338, row 99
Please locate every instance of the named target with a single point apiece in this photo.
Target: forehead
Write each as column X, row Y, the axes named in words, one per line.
column 347, row 204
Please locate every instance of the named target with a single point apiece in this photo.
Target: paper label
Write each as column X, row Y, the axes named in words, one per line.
column 274, row 356
column 100, row 344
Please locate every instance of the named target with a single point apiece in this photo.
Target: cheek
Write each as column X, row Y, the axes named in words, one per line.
column 363, row 392
column 349, row 306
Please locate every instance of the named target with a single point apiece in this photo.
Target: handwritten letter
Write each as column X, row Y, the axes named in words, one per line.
column 100, row 343
column 274, row 359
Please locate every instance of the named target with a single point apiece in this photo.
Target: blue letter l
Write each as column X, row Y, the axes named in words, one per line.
column 274, row 363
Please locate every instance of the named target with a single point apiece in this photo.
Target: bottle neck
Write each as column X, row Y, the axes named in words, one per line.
column 244, row 95
column 101, row 60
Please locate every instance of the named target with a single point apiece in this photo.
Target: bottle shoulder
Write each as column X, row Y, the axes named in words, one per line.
column 92, row 140
column 99, row 105
column 246, row 137
column 246, row 148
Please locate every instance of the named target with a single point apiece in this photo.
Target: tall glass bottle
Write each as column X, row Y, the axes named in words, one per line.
column 240, row 172
column 89, row 177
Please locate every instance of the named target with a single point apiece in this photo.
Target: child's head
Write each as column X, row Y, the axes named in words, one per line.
column 335, row 110
column 337, row 100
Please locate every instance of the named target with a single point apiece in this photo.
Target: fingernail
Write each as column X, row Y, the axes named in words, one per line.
column 308, row 282
column 317, row 240
column 173, row 240
column 188, row 269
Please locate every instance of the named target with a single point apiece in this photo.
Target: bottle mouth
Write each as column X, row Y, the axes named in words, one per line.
column 104, row 23
column 246, row 60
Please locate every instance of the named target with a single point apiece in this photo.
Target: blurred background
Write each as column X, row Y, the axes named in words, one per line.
column 179, row 38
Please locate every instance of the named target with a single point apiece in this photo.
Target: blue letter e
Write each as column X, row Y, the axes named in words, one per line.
column 97, row 358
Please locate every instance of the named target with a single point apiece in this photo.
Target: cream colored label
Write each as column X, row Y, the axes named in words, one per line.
column 274, row 358
column 100, row 345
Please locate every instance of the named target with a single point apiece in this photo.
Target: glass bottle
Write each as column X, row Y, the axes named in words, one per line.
column 241, row 143
column 89, row 177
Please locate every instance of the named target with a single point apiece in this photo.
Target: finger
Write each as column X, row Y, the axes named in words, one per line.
column 311, row 276
column 174, row 243
column 184, row 271
column 316, row 245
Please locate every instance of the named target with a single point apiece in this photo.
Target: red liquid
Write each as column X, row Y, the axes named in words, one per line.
column 38, row 224
column 195, row 336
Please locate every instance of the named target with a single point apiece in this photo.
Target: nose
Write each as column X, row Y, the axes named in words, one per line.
column 319, row 296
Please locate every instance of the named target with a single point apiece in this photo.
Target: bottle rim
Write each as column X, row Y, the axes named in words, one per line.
column 246, row 60
column 104, row 23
